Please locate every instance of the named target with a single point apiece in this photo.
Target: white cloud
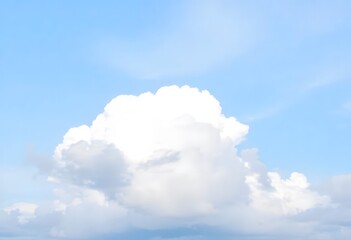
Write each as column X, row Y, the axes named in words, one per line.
column 151, row 146
column 167, row 160
column 287, row 197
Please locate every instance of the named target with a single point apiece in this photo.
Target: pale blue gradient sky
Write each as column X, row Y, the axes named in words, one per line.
column 282, row 67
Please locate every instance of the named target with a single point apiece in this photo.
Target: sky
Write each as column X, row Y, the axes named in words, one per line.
column 178, row 120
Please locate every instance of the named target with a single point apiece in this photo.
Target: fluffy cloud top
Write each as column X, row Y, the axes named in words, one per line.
column 164, row 160
column 170, row 153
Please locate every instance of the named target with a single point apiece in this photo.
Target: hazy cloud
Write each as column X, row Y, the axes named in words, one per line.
column 200, row 37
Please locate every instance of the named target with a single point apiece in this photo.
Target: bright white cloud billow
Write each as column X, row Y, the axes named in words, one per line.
column 169, row 154
column 168, row 160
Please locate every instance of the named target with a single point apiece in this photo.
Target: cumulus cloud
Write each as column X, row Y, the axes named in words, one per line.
column 289, row 196
column 167, row 153
column 166, row 160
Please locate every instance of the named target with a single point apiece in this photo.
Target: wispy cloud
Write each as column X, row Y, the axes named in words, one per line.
column 328, row 75
column 200, row 38
column 263, row 114
column 347, row 106
column 324, row 77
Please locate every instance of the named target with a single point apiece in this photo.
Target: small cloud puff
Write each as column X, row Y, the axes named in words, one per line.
column 24, row 211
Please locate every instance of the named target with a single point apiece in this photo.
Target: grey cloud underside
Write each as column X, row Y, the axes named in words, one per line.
column 104, row 167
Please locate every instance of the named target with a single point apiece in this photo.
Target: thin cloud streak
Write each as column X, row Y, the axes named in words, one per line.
column 203, row 37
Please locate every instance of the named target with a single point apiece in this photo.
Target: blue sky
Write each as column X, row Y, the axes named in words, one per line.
column 282, row 68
